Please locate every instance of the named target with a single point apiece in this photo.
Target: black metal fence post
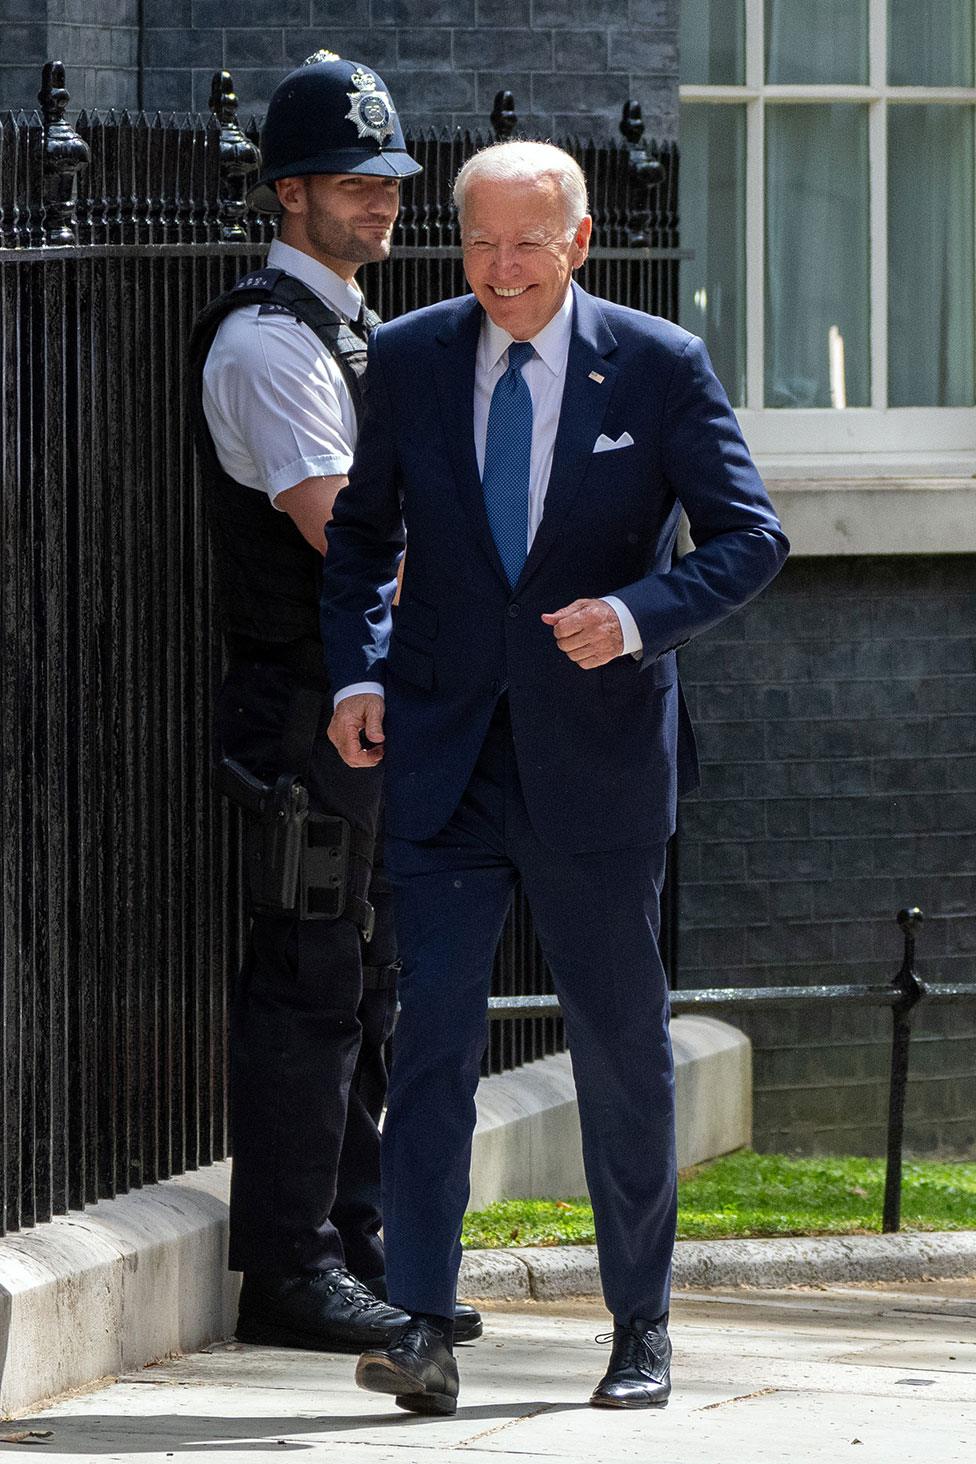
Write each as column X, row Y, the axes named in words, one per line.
column 504, row 118
column 238, row 158
column 65, row 154
column 911, row 992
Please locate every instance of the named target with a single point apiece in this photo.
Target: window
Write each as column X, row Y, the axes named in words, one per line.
column 828, row 195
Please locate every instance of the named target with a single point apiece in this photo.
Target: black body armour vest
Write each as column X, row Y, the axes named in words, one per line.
column 268, row 576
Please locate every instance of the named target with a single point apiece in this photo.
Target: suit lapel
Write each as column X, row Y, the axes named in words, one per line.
column 458, row 341
column 584, row 404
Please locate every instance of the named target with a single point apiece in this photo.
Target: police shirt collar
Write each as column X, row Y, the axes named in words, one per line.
column 344, row 297
column 551, row 344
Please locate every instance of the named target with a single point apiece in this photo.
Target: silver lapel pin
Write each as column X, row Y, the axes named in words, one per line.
column 595, row 376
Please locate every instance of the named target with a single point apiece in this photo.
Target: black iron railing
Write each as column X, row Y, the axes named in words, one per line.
column 902, row 996
column 118, row 931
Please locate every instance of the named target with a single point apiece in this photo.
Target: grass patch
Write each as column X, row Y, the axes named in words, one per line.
column 756, row 1194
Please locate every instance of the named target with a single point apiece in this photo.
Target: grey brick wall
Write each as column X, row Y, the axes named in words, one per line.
column 837, row 725
column 97, row 43
column 570, row 63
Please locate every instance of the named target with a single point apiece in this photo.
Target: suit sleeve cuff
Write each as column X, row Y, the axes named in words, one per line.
column 633, row 645
column 358, row 688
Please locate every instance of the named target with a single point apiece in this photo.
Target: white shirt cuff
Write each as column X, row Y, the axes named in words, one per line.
column 632, row 636
column 358, row 688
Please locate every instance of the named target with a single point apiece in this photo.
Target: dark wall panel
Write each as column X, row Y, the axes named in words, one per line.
column 837, row 724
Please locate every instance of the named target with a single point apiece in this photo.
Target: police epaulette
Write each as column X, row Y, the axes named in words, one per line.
column 260, row 279
column 270, row 308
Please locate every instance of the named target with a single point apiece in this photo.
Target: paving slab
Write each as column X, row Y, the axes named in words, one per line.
column 806, row 1376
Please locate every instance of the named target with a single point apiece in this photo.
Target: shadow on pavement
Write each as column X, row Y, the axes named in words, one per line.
column 92, row 1434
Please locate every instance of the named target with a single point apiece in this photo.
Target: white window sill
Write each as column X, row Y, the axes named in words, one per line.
column 877, row 515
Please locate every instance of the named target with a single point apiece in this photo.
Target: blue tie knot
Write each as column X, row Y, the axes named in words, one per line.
column 518, row 353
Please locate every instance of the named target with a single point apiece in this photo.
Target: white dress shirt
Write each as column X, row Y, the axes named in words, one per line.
column 544, row 374
column 276, row 403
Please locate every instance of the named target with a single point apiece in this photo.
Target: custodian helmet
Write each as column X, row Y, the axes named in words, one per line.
column 329, row 116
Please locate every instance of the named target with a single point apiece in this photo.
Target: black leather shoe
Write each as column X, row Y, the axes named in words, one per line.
column 639, row 1375
column 327, row 1311
column 418, row 1369
column 468, row 1325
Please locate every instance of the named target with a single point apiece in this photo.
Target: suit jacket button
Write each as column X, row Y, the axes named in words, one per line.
column 514, row 610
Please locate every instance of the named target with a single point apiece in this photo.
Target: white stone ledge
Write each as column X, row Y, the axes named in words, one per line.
column 123, row 1283
column 527, row 1141
column 834, row 516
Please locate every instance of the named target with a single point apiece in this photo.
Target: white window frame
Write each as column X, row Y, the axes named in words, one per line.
column 859, row 441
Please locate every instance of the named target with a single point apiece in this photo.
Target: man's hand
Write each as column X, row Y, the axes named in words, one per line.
column 588, row 631
column 356, row 714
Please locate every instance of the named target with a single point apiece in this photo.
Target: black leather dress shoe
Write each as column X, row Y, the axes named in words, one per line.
column 418, row 1369
column 327, row 1311
column 467, row 1322
column 468, row 1325
column 639, row 1375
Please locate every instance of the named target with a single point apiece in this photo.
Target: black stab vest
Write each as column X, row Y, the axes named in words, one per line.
column 268, row 577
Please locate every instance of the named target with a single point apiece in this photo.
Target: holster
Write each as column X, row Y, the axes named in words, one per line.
column 298, row 863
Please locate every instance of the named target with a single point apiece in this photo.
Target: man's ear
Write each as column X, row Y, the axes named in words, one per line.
column 581, row 240
column 291, row 194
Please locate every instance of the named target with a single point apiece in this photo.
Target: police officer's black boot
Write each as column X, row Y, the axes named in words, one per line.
column 468, row 1325
column 326, row 1311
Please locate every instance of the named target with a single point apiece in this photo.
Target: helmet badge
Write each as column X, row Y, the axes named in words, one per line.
column 371, row 110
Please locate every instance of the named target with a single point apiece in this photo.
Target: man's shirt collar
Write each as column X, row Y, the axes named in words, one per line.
column 345, row 298
column 551, row 344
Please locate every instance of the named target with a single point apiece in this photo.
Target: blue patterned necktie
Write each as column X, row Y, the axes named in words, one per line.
column 508, row 452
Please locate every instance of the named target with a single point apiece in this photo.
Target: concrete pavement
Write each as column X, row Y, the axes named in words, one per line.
column 875, row 1375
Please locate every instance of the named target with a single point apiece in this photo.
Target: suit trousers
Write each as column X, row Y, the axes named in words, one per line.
column 310, row 1014
column 597, row 918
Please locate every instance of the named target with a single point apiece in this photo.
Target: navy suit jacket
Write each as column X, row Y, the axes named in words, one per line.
column 602, row 754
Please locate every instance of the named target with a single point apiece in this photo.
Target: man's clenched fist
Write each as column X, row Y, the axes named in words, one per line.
column 355, row 715
column 588, row 631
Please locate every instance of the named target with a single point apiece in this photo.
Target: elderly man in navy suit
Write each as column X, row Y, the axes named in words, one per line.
column 538, row 445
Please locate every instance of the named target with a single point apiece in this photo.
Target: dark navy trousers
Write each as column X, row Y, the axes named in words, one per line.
column 310, row 1014
column 597, row 918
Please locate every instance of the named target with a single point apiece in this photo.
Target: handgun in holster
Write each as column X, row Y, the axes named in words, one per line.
column 297, row 862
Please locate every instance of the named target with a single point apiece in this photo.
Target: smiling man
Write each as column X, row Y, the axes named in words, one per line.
column 539, row 445
column 276, row 396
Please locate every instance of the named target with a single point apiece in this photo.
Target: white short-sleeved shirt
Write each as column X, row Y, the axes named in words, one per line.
column 276, row 403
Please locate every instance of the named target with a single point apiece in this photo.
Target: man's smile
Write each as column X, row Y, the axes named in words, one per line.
column 509, row 294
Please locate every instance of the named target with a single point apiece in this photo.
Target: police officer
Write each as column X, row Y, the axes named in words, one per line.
column 275, row 394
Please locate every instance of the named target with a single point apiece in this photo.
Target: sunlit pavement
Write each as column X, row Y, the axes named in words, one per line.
column 829, row 1374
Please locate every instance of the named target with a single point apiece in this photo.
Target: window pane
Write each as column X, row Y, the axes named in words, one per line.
column 713, row 163
column 816, row 43
column 817, row 268
column 713, row 42
column 930, row 44
column 930, row 256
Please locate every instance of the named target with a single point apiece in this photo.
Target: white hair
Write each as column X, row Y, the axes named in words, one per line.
column 526, row 162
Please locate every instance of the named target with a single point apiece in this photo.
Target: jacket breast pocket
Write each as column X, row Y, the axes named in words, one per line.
column 409, row 664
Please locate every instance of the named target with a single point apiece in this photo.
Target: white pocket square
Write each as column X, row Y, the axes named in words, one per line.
column 607, row 444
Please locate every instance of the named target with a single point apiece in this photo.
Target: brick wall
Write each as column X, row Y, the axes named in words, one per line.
column 97, row 42
column 570, row 64
column 837, row 725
